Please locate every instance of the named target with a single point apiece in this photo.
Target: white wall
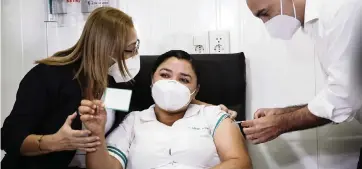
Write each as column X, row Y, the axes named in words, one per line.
column 0, row 56
column 171, row 25
column 279, row 73
column 24, row 33
column 2, row 153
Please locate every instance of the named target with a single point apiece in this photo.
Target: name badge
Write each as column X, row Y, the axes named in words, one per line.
column 117, row 99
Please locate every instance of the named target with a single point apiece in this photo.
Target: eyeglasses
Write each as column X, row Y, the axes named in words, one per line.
column 135, row 50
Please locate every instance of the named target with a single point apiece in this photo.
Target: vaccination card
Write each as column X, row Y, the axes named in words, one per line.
column 117, row 99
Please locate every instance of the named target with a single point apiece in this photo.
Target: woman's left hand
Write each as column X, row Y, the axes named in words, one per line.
column 93, row 116
column 232, row 113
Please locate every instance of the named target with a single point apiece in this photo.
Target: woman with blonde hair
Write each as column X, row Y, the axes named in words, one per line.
column 43, row 130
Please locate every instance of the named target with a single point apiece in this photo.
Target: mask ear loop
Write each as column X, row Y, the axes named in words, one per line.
column 281, row 8
column 190, row 97
column 295, row 13
column 193, row 92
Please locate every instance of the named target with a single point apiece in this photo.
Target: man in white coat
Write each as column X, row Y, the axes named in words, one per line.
column 333, row 24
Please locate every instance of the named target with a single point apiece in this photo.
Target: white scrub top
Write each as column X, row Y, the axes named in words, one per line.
column 333, row 25
column 142, row 142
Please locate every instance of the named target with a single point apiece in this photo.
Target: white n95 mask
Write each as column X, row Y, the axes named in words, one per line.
column 170, row 95
column 133, row 65
column 283, row 26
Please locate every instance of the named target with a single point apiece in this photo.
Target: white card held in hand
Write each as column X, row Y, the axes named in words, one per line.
column 117, row 99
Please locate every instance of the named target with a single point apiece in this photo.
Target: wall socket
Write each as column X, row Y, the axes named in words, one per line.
column 219, row 42
column 200, row 44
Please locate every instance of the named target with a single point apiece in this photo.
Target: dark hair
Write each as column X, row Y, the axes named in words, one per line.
column 179, row 54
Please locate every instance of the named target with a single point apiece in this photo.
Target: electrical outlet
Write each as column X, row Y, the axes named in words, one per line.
column 200, row 44
column 219, row 41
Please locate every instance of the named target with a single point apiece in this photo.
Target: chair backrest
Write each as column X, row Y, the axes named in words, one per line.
column 222, row 81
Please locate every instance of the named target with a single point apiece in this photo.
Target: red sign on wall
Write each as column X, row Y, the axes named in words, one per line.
column 69, row 1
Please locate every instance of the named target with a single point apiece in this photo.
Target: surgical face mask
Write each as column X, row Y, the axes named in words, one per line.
column 133, row 65
column 283, row 26
column 171, row 95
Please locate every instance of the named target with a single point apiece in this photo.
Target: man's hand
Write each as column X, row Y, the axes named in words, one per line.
column 263, row 129
column 267, row 112
column 271, row 123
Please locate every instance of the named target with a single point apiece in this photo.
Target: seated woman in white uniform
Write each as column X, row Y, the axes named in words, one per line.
column 172, row 133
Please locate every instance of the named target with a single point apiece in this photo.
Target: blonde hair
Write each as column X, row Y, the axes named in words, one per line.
column 104, row 37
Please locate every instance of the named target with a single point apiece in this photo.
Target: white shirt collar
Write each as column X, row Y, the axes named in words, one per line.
column 149, row 114
column 311, row 17
column 311, row 11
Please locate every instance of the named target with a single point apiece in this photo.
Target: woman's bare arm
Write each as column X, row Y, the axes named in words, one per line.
column 230, row 145
column 101, row 159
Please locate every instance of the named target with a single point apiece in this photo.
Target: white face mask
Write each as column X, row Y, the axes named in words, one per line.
column 170, row 95
column 283, row 26
column 133, row 65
